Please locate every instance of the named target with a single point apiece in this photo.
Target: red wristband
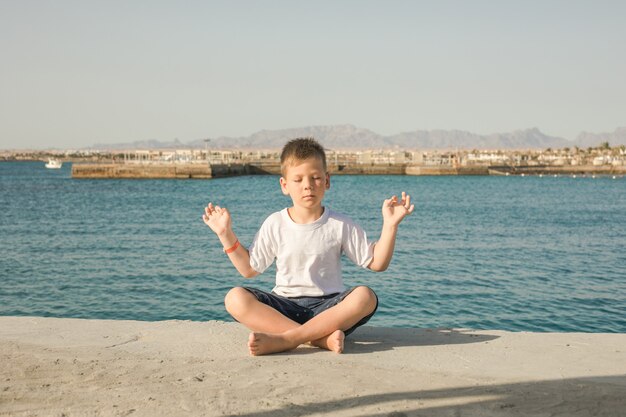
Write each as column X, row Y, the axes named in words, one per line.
column 232, row 248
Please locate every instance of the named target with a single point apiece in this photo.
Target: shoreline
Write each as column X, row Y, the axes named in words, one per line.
column 209, row 171
column 197, row 170
column 53, row 366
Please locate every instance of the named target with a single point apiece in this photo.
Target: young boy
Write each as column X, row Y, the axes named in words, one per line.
column 309, row 303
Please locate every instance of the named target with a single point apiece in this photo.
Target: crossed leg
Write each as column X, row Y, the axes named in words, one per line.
column 273, row 332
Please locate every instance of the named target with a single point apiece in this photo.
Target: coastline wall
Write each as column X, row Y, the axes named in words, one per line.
column 148, row 171
column 446, row 170
column 558, row 170
column 206, row 171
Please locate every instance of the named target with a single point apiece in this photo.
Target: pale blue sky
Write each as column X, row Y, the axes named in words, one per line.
column 75, row 73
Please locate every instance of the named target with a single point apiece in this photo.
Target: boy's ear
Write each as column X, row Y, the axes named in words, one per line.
column 283, row 186
column 327, row 180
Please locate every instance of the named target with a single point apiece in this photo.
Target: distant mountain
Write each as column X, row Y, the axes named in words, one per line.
column 352, row 137
column 615, row 138
column 457, row 139
column 336, row 136
column 142, row 144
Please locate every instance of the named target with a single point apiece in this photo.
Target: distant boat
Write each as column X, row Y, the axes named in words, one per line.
column 54, row 164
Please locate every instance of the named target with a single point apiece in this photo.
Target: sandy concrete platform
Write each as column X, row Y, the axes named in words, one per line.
column 71, row 367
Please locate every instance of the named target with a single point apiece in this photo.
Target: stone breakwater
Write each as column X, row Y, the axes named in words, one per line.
column 147, row 171
column 205, row 171
column 202, row 171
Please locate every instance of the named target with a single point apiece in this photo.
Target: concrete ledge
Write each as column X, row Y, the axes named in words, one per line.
column 72, row 367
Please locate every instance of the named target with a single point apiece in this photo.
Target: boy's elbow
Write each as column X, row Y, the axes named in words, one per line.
column 377, row 268
column 250, row 273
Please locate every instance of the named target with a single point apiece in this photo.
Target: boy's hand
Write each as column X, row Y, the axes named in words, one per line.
column 394, row 211
column 217, row 218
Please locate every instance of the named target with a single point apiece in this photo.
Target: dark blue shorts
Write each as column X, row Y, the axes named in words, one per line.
column 303, row 309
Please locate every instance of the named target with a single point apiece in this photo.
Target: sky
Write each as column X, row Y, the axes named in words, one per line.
column 76, row 73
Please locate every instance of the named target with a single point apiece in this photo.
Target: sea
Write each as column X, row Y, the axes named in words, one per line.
column 541, row 254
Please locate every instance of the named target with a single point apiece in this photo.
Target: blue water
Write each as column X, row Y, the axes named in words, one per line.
column 512, row 253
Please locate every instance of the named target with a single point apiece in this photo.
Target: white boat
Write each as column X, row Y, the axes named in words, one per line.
column 54, row 164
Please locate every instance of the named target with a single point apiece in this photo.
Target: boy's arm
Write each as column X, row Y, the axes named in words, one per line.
column 218, row 219
column 393, row 213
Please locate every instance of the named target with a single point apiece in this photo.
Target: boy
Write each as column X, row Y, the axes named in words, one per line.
column 309, row 302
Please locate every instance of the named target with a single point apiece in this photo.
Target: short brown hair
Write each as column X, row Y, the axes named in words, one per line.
column 300, row 149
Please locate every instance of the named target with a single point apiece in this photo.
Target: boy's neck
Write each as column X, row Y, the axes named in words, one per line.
column 302, row 215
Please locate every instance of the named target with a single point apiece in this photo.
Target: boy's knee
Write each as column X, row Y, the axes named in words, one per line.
column 367, row 297
column 236, row 300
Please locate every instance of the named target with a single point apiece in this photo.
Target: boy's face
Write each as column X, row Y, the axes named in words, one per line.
column 305, row 181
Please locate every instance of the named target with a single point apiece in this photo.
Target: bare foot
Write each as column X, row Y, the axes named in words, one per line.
column 332, row 342
column 265, row 343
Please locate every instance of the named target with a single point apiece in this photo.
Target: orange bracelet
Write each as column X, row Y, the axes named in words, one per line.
column 232, row 248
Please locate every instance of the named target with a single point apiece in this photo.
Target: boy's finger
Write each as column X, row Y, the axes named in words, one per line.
column 411, row 208
column 407, row 201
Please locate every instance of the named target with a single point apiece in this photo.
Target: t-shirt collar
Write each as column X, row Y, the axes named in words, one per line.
column 307, row 226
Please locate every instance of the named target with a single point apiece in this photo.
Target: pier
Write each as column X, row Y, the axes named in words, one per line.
column 548, row 170
column 208, row 171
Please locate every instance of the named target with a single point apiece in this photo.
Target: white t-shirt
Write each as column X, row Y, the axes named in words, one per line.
column 308, row 256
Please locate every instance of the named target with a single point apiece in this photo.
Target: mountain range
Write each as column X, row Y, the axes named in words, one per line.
column 351, row 137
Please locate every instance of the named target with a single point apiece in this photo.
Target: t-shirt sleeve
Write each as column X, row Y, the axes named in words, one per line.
column 356, row 246
column 262, row 249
